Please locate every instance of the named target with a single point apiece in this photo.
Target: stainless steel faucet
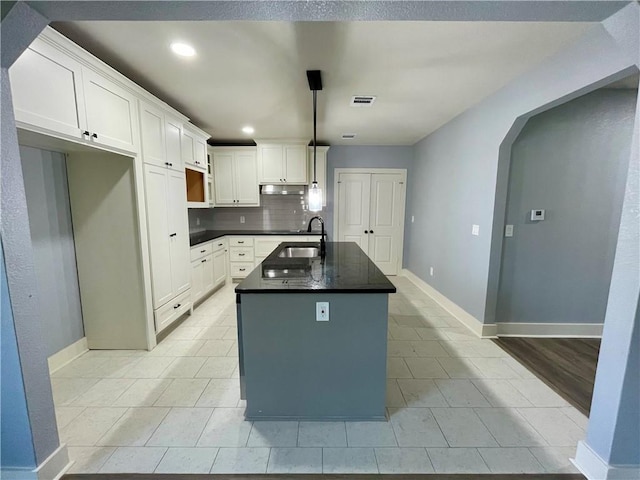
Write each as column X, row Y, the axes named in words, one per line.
column 323, row 247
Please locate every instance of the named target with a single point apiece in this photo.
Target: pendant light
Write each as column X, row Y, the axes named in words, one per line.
column 315, row 193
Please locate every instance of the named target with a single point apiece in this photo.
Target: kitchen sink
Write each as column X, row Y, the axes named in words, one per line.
column 299, row 252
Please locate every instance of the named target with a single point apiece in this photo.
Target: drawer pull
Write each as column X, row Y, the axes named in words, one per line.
column 220, row 244
column 202, row 251
column 242, row 269
column 204, row 260
column 241, row 254
column 173, row 234
column 240, row 241
column 177, row 306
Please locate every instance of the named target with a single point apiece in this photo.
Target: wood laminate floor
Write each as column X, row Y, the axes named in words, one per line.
column 568, row 365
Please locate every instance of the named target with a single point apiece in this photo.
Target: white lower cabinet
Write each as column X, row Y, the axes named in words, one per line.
column 208, row 267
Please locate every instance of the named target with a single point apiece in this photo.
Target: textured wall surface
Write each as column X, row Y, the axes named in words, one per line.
column 571, row 161
column 47, row 191
column 453, row 184
column 16, row 442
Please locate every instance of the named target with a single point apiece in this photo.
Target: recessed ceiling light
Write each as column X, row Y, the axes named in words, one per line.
column 183, row 49
column 248, row 130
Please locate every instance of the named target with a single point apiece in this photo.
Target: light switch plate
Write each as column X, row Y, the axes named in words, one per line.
column 508, row 231
column 413, row 219
column 322, row 311
column 241, row 218
column 475, row 230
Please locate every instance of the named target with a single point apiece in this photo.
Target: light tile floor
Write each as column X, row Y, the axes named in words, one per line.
column 455, row 404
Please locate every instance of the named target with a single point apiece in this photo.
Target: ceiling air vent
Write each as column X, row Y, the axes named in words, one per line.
column 348, row 136
column 362, row 100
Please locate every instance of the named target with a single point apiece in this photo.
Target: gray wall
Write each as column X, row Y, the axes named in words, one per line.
column 341, row 156
column 16, row 441
column 454, row 180
column 571, row 161
column 47, row 191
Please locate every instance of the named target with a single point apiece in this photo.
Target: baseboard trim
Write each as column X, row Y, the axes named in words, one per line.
column 465, row 318
column 592, row 466
column 55, row 466
column 67, row 354
column 554, row 330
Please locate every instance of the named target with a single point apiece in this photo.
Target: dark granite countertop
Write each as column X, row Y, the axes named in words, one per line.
column 344, row 269
column 207, row 235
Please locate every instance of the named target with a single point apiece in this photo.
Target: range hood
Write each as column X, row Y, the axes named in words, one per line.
column 283, row 189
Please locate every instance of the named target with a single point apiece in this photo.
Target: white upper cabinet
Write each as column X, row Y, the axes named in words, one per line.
column 161, row 138
column 281, row 163
column 111, row 112
column 235, row 176
column 46, row 86
column 194, row 148
column 55, row 94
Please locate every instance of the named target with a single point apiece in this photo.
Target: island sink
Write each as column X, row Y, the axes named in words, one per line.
column 299, row 252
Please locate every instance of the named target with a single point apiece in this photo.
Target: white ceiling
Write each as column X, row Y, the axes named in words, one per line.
column 253, row 73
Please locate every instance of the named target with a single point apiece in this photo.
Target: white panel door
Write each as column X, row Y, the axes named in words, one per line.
column 219, row 266
column 111, row 112
column 178, row 232
column 173, row 136
column 385, row 223
column 295, row 163
column 46, row 87
column 223, row 178
column 159, row 240
column 353, row 208
column 246, row 178
column 152, row 135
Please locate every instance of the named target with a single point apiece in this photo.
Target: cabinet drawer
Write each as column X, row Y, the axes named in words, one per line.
column 241, row 254
column 240, row 270
column 241, row 242
column 201, row 250
column 169, row 313
column 219, row 244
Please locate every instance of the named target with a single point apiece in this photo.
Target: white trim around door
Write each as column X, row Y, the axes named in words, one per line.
column 391, row 222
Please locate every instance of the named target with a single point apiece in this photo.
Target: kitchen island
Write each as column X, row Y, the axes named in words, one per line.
column 295, row 364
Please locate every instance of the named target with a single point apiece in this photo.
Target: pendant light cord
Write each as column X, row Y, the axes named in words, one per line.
column 315, row 95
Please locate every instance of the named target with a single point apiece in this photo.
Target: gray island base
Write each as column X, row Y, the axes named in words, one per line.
column 293, row 366
column 298, row 368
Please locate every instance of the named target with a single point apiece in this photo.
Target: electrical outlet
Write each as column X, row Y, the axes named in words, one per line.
column 508, row 231
column 431, row 271
column 197, row 221
column 241, row 218
column 413, row 219
column 322, row 311
column 475, row 230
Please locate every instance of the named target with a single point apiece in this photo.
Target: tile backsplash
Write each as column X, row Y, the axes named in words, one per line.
column 276, row 212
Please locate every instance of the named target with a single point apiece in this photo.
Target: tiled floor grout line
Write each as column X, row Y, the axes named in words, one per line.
column 215, row 458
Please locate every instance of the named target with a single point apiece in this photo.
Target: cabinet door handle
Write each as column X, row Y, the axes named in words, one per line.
column 220, row 244
column 177, row 306
column 370, row 231
column 171, row 164
column 94, row 135
column 173, row 234
column 167, row 164
column 202, row 251
column 86, row 132
column 203, row 261
column 366, row 231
